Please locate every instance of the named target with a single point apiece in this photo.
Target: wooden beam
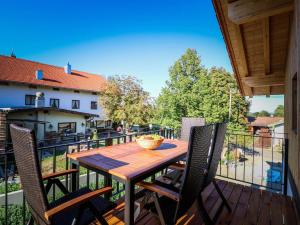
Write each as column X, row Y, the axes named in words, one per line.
column 244, row 11
column 241, row 55
column 276, row 79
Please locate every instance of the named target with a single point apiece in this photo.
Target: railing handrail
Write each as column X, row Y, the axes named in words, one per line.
column 233, row 144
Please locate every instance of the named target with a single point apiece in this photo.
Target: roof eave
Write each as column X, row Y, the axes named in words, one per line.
column 51, row 86
column 11, row 110
column 225, row 33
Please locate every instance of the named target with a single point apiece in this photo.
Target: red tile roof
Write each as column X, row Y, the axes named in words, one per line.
column 23, row 71
column 265, row 121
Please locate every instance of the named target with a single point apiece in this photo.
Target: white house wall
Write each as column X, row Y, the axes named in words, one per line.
column 278, row 134
column 53, row 118
column 59, row 117
column 14, row 96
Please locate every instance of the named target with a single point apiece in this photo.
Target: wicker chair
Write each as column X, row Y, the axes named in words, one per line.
column 204, row 153
column 177, row 168
column 80, row 207
column 186, row 125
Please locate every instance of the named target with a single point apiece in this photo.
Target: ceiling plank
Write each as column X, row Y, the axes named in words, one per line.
column 244, row 11
column 276, row 79
column 266, row 43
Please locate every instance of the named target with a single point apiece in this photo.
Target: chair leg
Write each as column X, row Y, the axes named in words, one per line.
column 177, row 177
column 77, row 218
column 222, row 196
column 158, row 209
column 31, row 221
column 97, row 214
column 203, row 212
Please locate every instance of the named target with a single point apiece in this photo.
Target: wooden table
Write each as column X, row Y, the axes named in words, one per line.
column 129, row 163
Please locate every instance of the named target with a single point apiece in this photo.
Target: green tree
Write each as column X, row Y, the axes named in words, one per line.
column 194, row 91
column 263, row 113
column 124, row 100
column 279, row 111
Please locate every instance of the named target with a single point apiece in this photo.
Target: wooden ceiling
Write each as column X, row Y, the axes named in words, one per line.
column 257, row 34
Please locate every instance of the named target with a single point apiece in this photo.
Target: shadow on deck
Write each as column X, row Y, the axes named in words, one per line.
column 250, row 206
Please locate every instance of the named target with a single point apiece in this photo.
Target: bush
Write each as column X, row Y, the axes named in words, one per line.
column 14, row 215
column 10, row 187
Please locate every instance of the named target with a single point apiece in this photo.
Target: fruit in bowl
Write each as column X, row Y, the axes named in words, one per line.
column 150, row 142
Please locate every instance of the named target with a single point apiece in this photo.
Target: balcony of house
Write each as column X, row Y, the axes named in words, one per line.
column 252, row 175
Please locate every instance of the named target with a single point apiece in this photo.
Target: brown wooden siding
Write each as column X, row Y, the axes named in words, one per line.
column 292, row 67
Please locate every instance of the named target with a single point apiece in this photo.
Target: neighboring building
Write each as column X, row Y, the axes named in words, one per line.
column 48, row 98
column 265, row 128
column 263, row 123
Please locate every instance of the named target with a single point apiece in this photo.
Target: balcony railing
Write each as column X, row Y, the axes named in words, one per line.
column 257, row 160
column 13, row 209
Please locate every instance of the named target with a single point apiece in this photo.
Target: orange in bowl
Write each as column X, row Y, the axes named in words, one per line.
column 150, row 142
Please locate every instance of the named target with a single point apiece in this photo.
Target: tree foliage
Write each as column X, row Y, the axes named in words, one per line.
column 263, row 113
column 279, row 111
column 194, row 91
column 124, row 100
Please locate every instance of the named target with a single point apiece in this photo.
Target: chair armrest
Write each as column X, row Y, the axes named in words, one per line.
column 76, row 201
column 160, row 190
column 177, row 166
column 58, row 174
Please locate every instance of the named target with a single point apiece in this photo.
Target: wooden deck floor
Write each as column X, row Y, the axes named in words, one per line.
column 250, row 206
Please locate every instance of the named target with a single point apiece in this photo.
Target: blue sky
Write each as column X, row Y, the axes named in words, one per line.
column 136, row 37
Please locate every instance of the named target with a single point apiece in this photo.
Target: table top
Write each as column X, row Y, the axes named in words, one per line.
column 129, row 160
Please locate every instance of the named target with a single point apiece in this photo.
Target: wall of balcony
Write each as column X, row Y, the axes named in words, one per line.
column 292, row 122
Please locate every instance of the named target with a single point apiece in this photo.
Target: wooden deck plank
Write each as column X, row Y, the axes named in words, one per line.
column 276, row 211
column 213, row 199
column 233, row 200
column 242, row 206
column 289, row 211
column 250, row 206
column 264, row 214
column 253, row 207
column 227, row 193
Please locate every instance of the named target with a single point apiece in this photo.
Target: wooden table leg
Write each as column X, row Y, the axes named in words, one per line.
column 108, row 182
column 74, row 176
column 129, row 203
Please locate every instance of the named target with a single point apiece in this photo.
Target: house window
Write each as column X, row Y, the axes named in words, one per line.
column 90, row 124
column 75, row 104
column 67, row 128
column 100, row 123
column 108, row 123
column 294, row 103
column 94, row 105
column 29, row 99
column 54, row 102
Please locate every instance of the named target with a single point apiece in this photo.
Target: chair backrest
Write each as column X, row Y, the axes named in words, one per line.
column 200, row 146
column 215, row 157
column 186, row 125
column 24, row 145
